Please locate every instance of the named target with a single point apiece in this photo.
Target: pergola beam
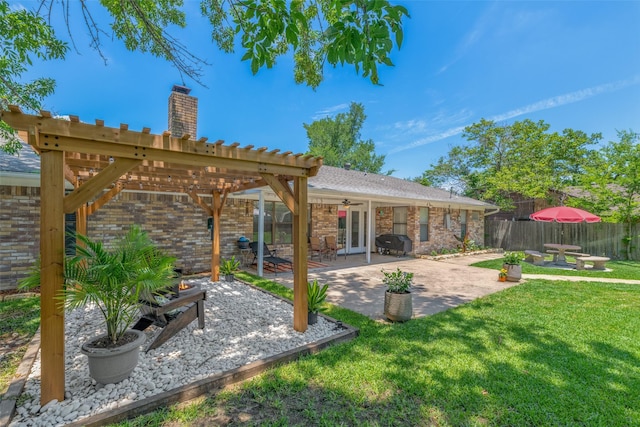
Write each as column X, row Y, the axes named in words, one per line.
column 104, row 199
column 282, row 190
column 96, row 184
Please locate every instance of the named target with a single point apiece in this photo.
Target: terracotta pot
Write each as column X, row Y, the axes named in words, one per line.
column 502, row 278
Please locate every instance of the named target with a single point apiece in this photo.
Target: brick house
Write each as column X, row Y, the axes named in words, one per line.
column 342, row 202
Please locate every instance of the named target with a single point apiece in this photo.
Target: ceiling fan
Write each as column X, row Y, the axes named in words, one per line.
column 346, row 203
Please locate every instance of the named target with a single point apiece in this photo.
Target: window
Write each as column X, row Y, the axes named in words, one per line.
column 278, row 223
column 400, row 220
column 424, row 224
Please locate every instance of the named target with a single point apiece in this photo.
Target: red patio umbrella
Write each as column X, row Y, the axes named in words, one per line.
column 564, row 214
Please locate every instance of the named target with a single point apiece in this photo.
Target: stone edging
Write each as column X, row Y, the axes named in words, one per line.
column 459, row 254
column 8, row 404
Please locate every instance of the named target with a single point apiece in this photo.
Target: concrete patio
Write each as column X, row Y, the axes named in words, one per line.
column 438, row 285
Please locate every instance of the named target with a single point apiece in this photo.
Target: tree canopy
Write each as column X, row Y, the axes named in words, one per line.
column 24, row 36
column 360, row 33
column 338, row 140
column 502, row 159
column 611, row 182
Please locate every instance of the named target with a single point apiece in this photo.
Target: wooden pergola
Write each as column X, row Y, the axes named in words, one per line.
column 94, row 158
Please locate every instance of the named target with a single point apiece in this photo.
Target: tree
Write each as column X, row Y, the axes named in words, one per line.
column 522, row 158
column 611, row 183
column 338, row 141
column 23, row 36
column 361, row 33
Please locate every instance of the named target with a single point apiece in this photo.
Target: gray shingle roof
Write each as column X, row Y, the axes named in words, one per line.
column 329, row 178
column 27, row 161
column 368, row 184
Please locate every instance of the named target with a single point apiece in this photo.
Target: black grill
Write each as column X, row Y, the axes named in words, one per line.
column 394, row 242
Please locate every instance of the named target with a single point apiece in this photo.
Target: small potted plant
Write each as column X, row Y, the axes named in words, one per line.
column 113, row 280
column 511, row 263
column 228, row 267
column 315, row 297
column 398, row 305
column 502, row 275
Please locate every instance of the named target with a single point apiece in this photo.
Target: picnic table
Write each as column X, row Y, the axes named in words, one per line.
column 560, row 251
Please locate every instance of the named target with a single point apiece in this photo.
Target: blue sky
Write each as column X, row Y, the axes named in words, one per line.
column 573, row 64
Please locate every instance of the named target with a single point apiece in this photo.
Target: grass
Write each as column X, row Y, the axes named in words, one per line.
column 544, row 352
column 619, row 269
column 19, row 321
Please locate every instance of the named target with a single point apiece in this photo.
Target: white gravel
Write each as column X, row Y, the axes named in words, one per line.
column 242, row 325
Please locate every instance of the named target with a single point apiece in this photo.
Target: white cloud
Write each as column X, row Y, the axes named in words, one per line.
column 329, row 111
column 471, row 38
column 545, row 104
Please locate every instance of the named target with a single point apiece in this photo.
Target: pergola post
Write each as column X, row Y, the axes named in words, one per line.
column 215, row 243
column 300, row 250
column 51, row 275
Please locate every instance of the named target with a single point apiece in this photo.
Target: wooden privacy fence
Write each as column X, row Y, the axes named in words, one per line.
column 600, row 239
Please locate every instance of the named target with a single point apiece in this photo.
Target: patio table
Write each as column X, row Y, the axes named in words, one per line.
column 561, row 248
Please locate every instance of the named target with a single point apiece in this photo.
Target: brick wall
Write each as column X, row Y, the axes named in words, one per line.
column 179, row 227
column 176, row 224
column 19, row 233
column 439, row 236
column 183, row 113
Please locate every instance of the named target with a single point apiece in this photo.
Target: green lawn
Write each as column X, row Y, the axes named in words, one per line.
column 619, row 269
column 19, row 320
column 543, row 353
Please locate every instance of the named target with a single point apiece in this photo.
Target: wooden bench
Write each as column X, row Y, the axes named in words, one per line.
column 598, row 262
column 534, row 257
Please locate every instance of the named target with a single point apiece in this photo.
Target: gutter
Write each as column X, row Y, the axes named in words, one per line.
column 486, row 214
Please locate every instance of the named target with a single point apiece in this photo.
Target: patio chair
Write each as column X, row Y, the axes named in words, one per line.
column 315, row 248
column 332, row 247
column 268, row 256
column 170, row 312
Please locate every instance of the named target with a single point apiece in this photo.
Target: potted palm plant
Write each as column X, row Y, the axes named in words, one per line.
column 228, row 267
column 113, row 280
column 398, row 305
column 511, row 263
column 315, row 297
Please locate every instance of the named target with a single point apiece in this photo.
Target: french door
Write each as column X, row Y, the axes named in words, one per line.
column 352, row 229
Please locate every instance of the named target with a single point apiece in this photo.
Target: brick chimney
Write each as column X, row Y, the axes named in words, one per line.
column 183, row 112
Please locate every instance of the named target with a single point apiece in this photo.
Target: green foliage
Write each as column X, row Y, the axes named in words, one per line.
column 611, row 183
column 618, row 269
column 19, row 320
column 229, row 266
column 398, row 282
column 338, row 141
column 113, row 279
column 512, row 258
column 316, row 296
column 23, row 36
column 501, row 160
